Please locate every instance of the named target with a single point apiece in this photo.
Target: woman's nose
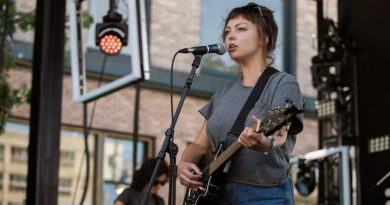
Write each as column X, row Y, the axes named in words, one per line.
column 231, row 36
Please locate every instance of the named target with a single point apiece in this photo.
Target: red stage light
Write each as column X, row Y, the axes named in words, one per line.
column 111, row 44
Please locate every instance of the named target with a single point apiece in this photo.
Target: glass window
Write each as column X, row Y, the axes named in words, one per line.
column 1, row 152
column 67, row 158
column 72, row 170
column 118, row 165
column 115, row 159
column 116, row 162
column 213, row 14
column 16, row 203
column 19, row 154
column 18, row 181
column 14, row 143
column 65, row 186
column 118, row 159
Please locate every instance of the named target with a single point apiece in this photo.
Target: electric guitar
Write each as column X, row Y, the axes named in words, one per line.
column 213, row 175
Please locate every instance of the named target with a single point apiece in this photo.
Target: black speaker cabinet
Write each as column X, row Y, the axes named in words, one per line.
column 368, row 24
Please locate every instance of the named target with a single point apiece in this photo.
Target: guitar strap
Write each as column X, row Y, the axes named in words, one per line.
column 238, row 125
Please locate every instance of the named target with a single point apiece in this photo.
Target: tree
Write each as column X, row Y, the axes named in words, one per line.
column 10, row 20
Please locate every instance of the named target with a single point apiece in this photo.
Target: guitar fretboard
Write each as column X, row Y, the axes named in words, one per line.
column 269, row 121
column 273, row 121
column 221, row 159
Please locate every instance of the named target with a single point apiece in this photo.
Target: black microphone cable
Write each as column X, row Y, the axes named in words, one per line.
column 171, row 82
column 86, row 134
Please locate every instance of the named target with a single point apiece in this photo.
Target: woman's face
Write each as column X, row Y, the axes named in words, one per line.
column 242, row 39
column 159, row 182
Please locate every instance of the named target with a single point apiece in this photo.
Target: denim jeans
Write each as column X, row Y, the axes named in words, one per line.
column 243, row 194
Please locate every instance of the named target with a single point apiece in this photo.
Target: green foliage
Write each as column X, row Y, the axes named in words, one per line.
column 9, row 59
column 87, row 19
column 10, row 97
column 24, row 21
column 10, row 20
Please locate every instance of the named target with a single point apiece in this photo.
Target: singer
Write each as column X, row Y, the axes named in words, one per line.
column 259, row 172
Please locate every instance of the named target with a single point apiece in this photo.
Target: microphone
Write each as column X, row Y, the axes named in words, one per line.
column 218, row 48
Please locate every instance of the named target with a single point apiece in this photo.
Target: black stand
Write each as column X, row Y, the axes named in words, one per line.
column 169, row 143
column 380, row 181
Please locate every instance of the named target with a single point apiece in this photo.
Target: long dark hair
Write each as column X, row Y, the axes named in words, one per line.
column 263, row 18
column 142, row 176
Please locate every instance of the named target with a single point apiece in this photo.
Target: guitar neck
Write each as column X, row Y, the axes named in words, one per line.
column 224, row 156
column 269, row 124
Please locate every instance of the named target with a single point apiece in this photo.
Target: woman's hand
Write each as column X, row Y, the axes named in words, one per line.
column 251, row 139
column 189, row 174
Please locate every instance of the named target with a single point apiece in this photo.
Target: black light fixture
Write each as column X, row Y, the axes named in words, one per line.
column 306, row 179
column 326, row 75
column 111, row 35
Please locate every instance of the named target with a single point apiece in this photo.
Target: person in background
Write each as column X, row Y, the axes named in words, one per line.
column 135, row 193
column 259, row 173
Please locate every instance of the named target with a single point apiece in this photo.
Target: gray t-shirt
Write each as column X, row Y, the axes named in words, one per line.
column 250, row 166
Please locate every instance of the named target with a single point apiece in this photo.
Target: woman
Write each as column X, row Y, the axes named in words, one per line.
column 259, row 173
column 135, row 193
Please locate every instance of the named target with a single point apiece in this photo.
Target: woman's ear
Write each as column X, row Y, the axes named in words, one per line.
column 264, row 41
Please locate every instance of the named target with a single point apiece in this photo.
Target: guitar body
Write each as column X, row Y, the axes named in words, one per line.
column 210, row 193
column 213, row 176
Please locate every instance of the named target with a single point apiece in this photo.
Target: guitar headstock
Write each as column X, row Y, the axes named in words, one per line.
column 277, row 118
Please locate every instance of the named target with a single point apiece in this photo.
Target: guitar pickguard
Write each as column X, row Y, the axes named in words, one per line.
column 209, row 194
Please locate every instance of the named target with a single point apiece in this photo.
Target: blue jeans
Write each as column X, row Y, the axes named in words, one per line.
column 243, row 194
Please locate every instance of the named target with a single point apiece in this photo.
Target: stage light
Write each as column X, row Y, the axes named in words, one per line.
column 326, row 108
column 306, row 179
column 326, row 75
column 111, row 35
column 111, row 42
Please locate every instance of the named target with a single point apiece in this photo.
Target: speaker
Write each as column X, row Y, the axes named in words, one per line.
column 367, row 24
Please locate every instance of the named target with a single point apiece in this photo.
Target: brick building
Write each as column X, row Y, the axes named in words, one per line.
column 112, row 125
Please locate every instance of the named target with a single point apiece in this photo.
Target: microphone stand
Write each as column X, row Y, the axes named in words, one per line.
column 380, row 181
column 169, row 146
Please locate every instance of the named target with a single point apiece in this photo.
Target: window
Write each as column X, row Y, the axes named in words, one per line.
column 15, row 156
column 1, row 152
column 19, row 154
column 16, row 203
column 18, row 181
column 65, row 186
column 113, row 159
column 67, row 158
column 72, row 170
column 1, row 179
column 118, row 165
